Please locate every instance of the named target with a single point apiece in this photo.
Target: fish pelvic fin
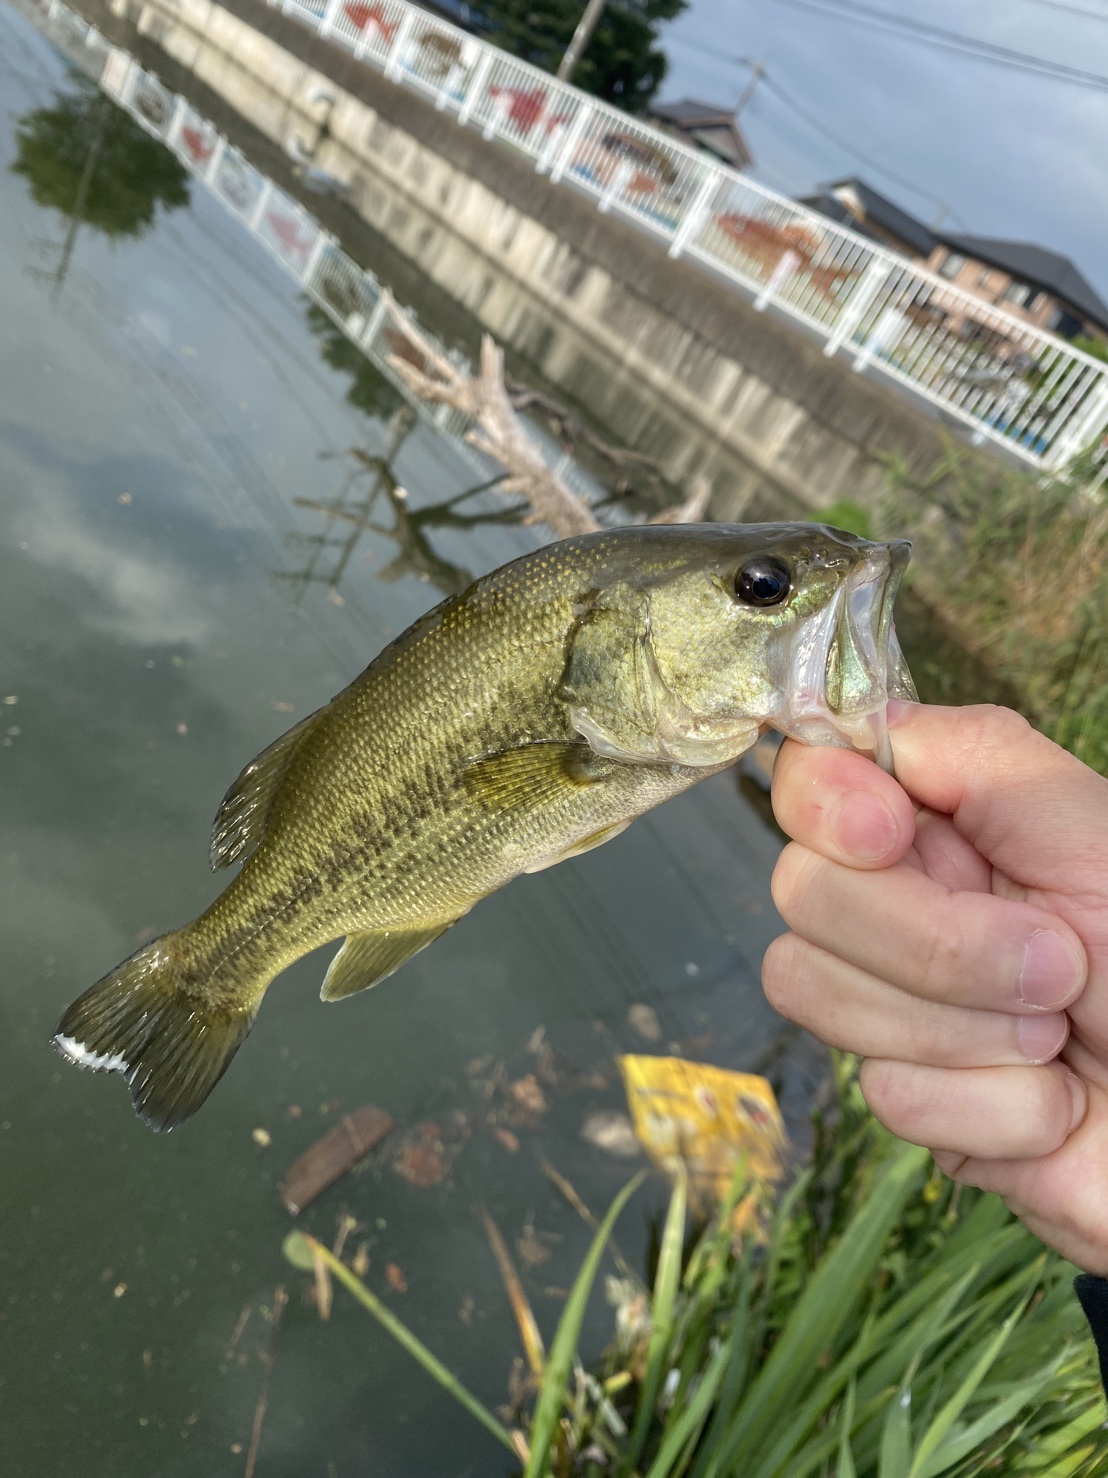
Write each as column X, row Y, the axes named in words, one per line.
column 243, row 814
column 367, row 958
column 171, row 1043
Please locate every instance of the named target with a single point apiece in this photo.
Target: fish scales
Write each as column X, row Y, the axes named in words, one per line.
column 531, row 717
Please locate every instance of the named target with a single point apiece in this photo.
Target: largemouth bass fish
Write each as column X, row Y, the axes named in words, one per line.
column 522, row 722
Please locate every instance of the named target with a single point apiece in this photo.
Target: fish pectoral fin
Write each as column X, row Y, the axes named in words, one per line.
column 533, row 774
column 243, row 813
column 367, row 958
column 596, row 839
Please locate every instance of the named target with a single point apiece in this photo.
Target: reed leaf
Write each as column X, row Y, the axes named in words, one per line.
column 559, row 1362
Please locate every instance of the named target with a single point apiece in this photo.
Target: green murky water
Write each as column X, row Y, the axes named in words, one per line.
column 167, row 608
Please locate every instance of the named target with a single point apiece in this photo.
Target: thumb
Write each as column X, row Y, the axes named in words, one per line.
column 1032, row 809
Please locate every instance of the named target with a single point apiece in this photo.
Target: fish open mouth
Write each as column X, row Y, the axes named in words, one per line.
column 848, row 662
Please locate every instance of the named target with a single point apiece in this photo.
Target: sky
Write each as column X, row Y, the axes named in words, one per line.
column 1009, row 154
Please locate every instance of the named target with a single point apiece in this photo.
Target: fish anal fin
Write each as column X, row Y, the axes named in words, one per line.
column 367, row 958
column 586, row 844
column 532, row 774
column 241, row 820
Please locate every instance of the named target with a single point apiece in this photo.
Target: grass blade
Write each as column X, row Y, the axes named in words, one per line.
column 560, row 1360
column 952, row 1410
column 846, row 1468
column 826, row 1302
column 691, row 1419
column 896, row 1437
column 419, row 1351
column 666, row 1281
column 525, row 1319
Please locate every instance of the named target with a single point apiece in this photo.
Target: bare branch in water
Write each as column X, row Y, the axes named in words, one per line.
column 280, row 1299
column 500, row 434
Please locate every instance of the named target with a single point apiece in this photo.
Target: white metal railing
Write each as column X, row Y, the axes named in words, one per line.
column 351, row 296
column 1004, row 379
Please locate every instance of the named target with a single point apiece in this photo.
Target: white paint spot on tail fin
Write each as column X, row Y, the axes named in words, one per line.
column 99, row 1062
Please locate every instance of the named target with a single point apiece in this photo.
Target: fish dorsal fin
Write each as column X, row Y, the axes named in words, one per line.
column 367, row 958
column 241, row 820
column 533, row 774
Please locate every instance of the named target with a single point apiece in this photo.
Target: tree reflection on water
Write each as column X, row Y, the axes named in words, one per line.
column 371, row 488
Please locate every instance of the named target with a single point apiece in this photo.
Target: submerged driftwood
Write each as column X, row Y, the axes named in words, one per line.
column 500, row 433
column 321, row 1165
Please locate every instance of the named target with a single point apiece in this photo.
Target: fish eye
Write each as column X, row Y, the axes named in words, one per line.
column 764, row 581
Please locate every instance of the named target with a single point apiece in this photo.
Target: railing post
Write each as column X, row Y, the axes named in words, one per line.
column 373, row 323
column 180, row 108
column 856, row 305
column 1078, row 432
column 322, row 240
column 330, row 15
column 888, row 327
column 550, row 147
column 563, row 158
column 787, row 264
column 211, row 169
column 451, row 81
column 260, row 206
column 696, row 213
column 495, row 116
column 614, row 190
column 399, row 46
column 476, row 86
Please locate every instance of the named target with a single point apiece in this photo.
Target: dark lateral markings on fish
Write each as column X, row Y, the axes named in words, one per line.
column 520, row 723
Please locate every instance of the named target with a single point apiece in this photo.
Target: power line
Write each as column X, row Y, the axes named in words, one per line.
column 887, row 23
column 841, row 143
column 817, row 125
column 1095, row 15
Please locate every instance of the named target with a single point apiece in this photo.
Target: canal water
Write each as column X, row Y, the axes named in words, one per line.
column 175, row 419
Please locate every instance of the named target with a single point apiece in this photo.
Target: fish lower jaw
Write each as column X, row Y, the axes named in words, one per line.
column 865, row 732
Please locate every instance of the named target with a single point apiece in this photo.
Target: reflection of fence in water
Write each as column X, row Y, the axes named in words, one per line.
column 1002, row 377
column 347, row 293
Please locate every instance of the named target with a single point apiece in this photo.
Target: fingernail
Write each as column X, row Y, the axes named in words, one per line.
column 864, row 827
column 1050, row 971
column 1080, row 1095
column 1043, row 1037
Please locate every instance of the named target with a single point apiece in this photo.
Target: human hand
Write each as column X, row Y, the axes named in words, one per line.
column 954, row 932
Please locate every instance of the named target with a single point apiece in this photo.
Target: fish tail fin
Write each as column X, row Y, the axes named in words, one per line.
column 148, row 1021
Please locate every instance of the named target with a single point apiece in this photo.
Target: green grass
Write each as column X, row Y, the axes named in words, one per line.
column 1014, row 571
column 892, row 1326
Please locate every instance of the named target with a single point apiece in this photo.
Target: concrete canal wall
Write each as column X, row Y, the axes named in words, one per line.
column 655, row 351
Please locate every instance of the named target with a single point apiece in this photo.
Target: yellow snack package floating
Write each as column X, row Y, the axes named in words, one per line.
column 708, row 1120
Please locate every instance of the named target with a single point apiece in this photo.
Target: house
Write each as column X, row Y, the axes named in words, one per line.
column 705, row 126
column 853, row 203
column 1035, row 284
column 1040, row 286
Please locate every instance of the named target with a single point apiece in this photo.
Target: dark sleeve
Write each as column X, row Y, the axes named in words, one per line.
column 1093, row 1293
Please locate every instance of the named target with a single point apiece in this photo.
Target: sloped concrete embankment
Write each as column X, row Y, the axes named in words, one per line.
column 659, row 354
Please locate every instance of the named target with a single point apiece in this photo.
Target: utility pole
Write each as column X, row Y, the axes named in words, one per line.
column 757, row 72
column 581, row 37
column 77, row 215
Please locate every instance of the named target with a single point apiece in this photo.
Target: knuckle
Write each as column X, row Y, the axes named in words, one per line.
column 926, row 1034
column 943, row 958
column 989, row 726
column 1050, row 1109
column 792, row 881
column 779, row 974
